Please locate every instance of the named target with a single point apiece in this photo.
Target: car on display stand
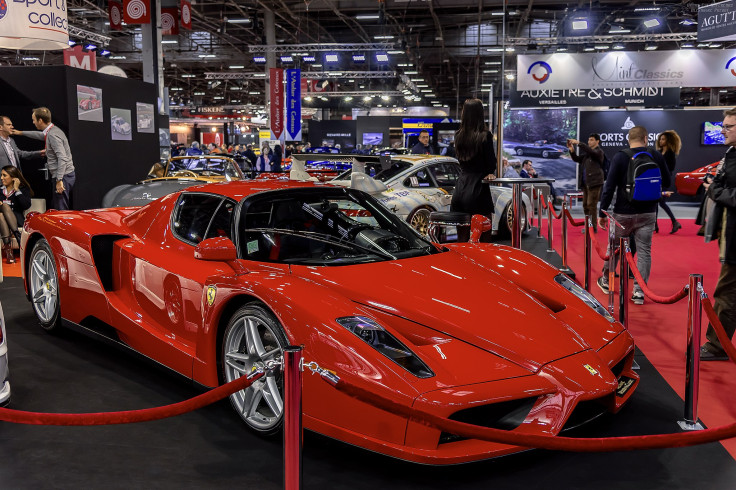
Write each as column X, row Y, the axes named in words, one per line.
column 4, row 378
column 120, row 125
column 178, row 173
column 539, row 148
column 216, row 280
column 691, row 183
column 413, row 186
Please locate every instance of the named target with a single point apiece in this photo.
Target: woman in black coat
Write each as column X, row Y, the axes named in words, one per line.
column 474, row 150
column 669, row 144
column 16, row 198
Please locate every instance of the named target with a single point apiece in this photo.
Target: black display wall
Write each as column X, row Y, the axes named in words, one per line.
column 613, row 126
column 101, row 163
column 377, row 124
column 334, row 132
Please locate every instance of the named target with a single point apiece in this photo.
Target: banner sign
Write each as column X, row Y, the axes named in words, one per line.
column 293, row 105
column 684, row 68
column 608, row 97
column 137, row 11
column 186, row 14
column 115, row 14
column 169, row 21
column 33, row 25
column 717, row 21
column 276, row 89
column 77, row 57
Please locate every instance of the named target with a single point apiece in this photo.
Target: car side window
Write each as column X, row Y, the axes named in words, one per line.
column 445, row 174
column 221, row 222
column 420, row 178
column 193, row 214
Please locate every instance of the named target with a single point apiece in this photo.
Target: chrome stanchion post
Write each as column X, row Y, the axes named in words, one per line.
column 623, row 284
column 611, row 263
column 516, row 225
column 588, row 245
column 550, row 219
column 565, row 267
column 539, row 214
column 692, row 374
column 293, row 418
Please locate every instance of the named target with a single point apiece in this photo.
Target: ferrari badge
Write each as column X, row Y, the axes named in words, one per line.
column 591, row 369
column 211, row 293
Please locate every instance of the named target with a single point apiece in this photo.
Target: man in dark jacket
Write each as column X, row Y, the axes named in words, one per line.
column 423, row 147
column 590, row 178
column 636, row 217
column 721, row 224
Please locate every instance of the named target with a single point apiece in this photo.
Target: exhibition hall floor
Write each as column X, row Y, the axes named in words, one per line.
column 211, row 448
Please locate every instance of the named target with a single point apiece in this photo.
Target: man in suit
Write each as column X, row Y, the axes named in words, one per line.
column 10, row 154
column 58, row 156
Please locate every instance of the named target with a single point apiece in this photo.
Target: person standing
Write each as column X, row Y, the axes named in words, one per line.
column 277, row 158
column 58, row 156
column 721, row 225
column 422, row 147
column 16, row 198
column 636, row 217
column 194, row 150
column 669, row 145
column 250, row 156
column 590, row 159
column 474, row 148
column 10, row 154
column 263, row 163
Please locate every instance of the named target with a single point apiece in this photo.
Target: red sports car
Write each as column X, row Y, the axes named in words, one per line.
column 213, row 280
column 89, row 103
column 691, row 183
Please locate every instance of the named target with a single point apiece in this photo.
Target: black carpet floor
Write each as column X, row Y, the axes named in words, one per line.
column 212, row 448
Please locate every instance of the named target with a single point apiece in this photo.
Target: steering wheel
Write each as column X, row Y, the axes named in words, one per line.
column 184, row 173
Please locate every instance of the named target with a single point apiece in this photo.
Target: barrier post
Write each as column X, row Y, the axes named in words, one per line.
column 550, row 218
column 692, row 372
column 293, row 418
column 611, row 263
column 623, row 284
column 516, row 222
column 565, row 267
column 539, row 214
column 588, row 246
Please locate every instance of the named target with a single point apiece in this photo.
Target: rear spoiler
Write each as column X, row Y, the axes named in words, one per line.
column 358, row 178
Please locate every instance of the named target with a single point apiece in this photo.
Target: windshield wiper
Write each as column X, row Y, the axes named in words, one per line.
column 323, row 237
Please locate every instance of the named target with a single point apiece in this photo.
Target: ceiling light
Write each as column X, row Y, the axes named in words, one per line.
column 198, row 93
column 619, row 30
column 212, row 56
column 367, row 17
column 236, row 67
column 348, row 98
column 687, row 45
column 169, row 41
column 308, row 58
column 618, row 46
column 385, row 97
column 422, row 85
column 649, row 23
column 72, row 43
column 331, row 58
column 358, row 58
column 404, row 65
column 239, row 21
column 189, row 75
column 287, row 59
column 90, row 47
column 602, row 46
column 218, row 97
column 383, row 37
column 492, row 63
column 715, row 45
column 256, row 59
column 176, row 89
column 308, row 98
column 703, row 45
column 235, row 88
column 118, row 57
column 510, row 49
column 588, row 48
column 490, row 71
column 497, row 49
column 580, row 24
column 426, row 91
column 254, row 92
column 367, row 98
column 105, row 52
column 395, row 51
column 259, row 75
column 646, row 9
column 30, row 58
column 498, row 13
column 688, row 22
column 650, row 47
column 510, row 76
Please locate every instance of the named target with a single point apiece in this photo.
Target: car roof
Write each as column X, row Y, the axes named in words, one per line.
column 240, row 189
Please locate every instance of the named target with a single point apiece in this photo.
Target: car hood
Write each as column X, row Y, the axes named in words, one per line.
column 449, row 293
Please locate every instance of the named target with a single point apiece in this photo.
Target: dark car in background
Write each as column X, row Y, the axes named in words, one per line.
column 539, row 148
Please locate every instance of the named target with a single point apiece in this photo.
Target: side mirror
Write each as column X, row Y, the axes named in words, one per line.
column 219, row 249
column 479, row 224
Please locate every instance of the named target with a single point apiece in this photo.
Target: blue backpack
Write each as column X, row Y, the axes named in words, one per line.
column 643, row 177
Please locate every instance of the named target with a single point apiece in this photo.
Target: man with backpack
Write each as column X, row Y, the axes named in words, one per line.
column 637, row 176
column 591, row 160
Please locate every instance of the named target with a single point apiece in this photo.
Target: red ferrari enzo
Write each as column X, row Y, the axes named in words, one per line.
column 216, row 279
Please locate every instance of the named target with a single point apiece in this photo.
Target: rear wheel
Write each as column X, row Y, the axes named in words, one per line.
column 519, row 151
column 545, row 154
column 509, row 221
column 252, row 337
column 43, row 285
column 419, row 220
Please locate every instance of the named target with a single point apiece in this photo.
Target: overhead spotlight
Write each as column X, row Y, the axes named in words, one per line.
column 259, row 59
column 715, row 45
column 382, row 57
column 348, row 98
column 72, row 43
column 105, row 52
column 688, row 22
column 687, row 45
column 308, row 58
column 367, row 17
column 90, row 47
column 308, row 98
column 367, row 98
column 618, row 46
column 358, row 58
column 649, row 23
column 579, row 24
column 287, row 59
column 385, row 97
column 650, row 47
column 332, row 58
column 618, row 30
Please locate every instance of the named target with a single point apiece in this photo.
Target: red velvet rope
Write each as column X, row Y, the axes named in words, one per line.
column 128, row 416
column 626, row 443
column 726, row 343
column 572, row 221
column 552, row 210
column 544, row 204
column 603, row 255
column 648, row 292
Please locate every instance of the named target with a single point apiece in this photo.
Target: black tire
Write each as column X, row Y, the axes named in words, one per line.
column 504, row 229
column 545, row 154
column 520, row 151
column 239, row 354
column 43, row 286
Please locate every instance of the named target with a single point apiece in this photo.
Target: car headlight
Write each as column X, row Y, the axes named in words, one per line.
column 373, row 334
column 584, row 295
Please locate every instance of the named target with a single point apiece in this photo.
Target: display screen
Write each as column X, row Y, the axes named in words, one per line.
column 712, row 133
column 372, row 138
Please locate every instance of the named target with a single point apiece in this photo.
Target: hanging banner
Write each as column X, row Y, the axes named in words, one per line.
column 717, row 21
column 169, row 21
column 186, row 14
column 115, row 14
column 293, row 105
column 77, row 57
column 607, row 97
column 34, row 26
column 276, row 89
column 683, row 68
column 137, row 11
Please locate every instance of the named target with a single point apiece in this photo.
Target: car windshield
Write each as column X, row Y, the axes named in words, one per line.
column 199, row 166
column 324, row 226
column 375, row 170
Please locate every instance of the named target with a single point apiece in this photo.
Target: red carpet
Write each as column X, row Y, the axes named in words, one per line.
column 659, row 329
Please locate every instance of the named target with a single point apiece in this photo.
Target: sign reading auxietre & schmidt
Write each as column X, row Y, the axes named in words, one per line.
column 717, row 22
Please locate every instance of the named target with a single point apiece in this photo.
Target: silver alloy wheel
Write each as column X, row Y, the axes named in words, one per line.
column 420, row 220
column 248, row 343
column 44, row 286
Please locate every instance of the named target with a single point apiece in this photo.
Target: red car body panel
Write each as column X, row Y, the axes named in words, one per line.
column 490, row 321
column 689, row 183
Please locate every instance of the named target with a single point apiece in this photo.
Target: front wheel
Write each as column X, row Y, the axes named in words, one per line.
column 419, row 220
column 545, row 154
column 519, row 151
column 43, row 284
column 252, row 337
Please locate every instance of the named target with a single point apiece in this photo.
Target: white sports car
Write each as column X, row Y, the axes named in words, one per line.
column 412, row 186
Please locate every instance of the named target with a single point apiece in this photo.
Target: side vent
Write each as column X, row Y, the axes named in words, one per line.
column 102, row 246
